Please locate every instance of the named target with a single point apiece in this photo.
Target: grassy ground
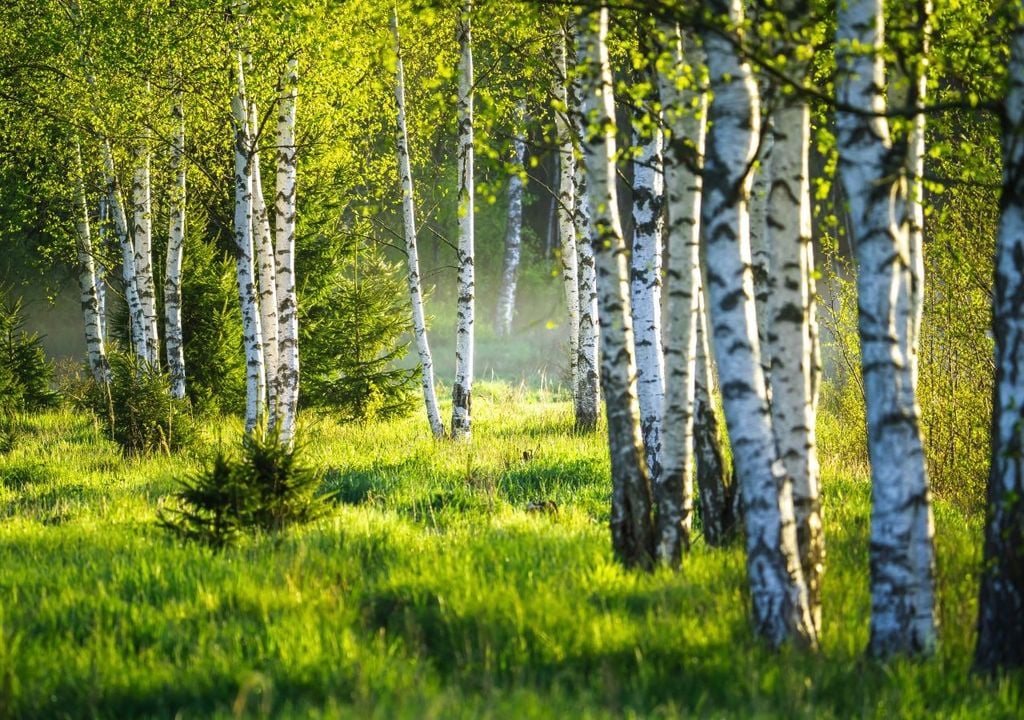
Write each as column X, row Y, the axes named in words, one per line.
column 429, row 591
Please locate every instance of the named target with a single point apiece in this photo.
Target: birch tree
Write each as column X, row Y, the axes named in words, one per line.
column 778, row 592
column 87, row 281
column 284, row 247
column 506, row 306
column 1001, row 603
column 462, row 388
column 263, row 244
column 142, row 237
column 419, row 323
column 902, row 562
column 685, row 107
column 175, row 250
column 631, row 526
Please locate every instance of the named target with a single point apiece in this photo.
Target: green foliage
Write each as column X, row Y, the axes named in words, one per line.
column 138, row 411
column 26, row 376
column 267, row 488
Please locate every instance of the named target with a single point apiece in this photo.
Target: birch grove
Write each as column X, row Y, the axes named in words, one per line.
column 419, row 323
column 903, row 616
column 174, row 337
column 631, row 526
column 778, row 592
column 462, row 388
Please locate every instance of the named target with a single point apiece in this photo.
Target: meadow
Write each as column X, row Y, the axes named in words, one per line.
column 430, row 590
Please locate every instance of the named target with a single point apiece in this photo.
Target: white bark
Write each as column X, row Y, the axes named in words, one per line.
column 284, row 219
column 419, row 323
column 101, row 271
column 506, row 306
column 175, row 249
column 632, row 529
column 760, row 247
column 87, row 283
column 685, row 111
column 902, row 562
column 777, row 588
column 142, row 236
column 263, row 243
column 252, row 336
column 462, row 388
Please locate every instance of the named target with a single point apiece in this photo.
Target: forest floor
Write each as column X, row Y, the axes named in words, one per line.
column 429, row 591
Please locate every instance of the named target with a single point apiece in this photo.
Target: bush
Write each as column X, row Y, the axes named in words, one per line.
column 26, row 376
column 266, row 489
column 141, row 415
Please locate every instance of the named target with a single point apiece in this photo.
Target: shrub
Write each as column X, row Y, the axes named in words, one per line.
column 26, row 376
column 266, row 489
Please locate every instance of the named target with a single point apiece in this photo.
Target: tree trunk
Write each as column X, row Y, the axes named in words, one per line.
column 101, row 271
column 419, row 323
column 684, row 117
column 87, row 284
column 631, row 526
column 1001, row 604
column 902, row 561
column 284, row 218
column 777, row 588
column 760, row 247
column 175, row 250
column 142, row 234
column 513, row 234
column 462, row 388
column 263, row 243
column 252, row 336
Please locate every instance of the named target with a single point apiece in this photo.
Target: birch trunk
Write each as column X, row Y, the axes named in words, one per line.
column 462, row 388
column 102, row 233
column 791, row 339
column 1001, row 603
column 760, row 246
column 513, row 235
column 780, row 609
column 252, row 336
column 263, row 243
column 142, row 236
column 902, row 563
column 136, row 317
column 631, row 526
column 419, row 323
column 566, row 206
column 586, row 398
column 284, row 218
column 175, row 249
column 684, row 150
column 87, row 283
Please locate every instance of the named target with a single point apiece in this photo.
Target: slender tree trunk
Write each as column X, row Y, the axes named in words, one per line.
column 462, row 388
column 777, row 588
column 684, row 117
column 284, row 218
column 143, row 239
column 645, row 279
column 513, row 234
column 98, row 365
column 566, row 207
column 263, row 243
column 252, row 336
column 1001, row 604
column 136, row 317
column 587, row 397
column 101, row 270
column 175, row 250
column 902, row 560
column 632, row 529
column 419, row 323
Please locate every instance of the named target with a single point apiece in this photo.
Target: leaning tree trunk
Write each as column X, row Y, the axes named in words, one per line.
column 789, row 311
column 143, row 239
column 252, row 336
column 632, row 529
column 586, row 395
column 419, row 323
column 1001, row 604
column 684, row 150
column 645, row 280
column 902, row 561
column 462, row 388
column 284, row 219
column 506, row 306
column 777, row 589
column 175, row 249
column 87, row 284
column 263, row 243
column 566, row 207
column 136, row 317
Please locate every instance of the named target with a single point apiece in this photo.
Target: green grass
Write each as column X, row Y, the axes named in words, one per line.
column 428, row 591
